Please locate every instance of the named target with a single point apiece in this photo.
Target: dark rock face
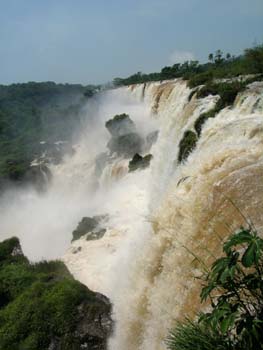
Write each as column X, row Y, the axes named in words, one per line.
column 125, row 141
column 120, row 125
column 94, row 324
column 151, row 138
column 139, row 162
column 126, row 145
column 90, row 226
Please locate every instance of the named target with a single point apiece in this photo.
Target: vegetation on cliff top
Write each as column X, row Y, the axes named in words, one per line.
column 218, row 67
column 234, row 289
column 41, row 304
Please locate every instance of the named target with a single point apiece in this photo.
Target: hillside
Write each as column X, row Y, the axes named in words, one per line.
column 35, row 112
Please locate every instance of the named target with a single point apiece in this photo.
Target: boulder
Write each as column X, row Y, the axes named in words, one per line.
column 91, row 227
column 125, row 141
column 139, row 162
column 120, row 125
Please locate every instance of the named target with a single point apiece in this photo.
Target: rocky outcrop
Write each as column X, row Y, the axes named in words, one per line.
column 125, row 141
column 94, row 325
column 139, row 162
column 91, row 227
column 120, row 125
column 126, row 145
column 58, row 312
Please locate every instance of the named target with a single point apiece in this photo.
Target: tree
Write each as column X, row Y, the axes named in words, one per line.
column 218, row 57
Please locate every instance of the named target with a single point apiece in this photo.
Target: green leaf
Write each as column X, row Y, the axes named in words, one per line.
column 240, row 237
column 227, row 323
column 248, row 258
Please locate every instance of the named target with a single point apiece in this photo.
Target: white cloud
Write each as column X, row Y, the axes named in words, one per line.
column 181, row 56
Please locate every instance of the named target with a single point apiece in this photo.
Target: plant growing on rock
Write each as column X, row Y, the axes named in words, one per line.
column 234, row 287
column 186, row 145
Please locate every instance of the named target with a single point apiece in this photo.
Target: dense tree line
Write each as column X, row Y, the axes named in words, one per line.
column 218, row 66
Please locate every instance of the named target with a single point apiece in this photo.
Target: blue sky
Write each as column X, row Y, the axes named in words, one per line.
column 93, row 41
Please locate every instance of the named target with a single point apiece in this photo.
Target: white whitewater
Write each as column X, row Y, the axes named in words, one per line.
column 157, row 216
column 144, row 263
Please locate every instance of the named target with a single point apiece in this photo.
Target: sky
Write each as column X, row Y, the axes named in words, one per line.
column 94, row 41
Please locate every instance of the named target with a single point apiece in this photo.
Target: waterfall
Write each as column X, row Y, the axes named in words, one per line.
column 162, row 221
column 200, row 203
column 148, row 263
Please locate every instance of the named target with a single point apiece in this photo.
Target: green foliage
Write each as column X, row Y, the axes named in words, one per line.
column 226, row 90
column 200, row 79
column 116, row 119
column 32, row 112
column 234, row 287
column 190, row 335
column 218, row 67
column 186, row 145
column 200, row 121
column 38, row 302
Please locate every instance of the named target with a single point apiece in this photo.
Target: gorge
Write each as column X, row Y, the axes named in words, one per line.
column 161, row 222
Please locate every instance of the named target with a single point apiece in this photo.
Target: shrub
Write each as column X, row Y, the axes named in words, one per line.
column 200, row 79
column 42, row 305
column 200, row 121
column 235, row 289
column 227, row 92
column 186, row 145
column 190, row 335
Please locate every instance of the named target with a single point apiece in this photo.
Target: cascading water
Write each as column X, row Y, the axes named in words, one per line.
column 193, row 206
column 163, row 220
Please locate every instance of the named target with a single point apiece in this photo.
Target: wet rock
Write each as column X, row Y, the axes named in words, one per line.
column 126, row 145
column 139, row 162
column 92, row 226
column 120, row 125
column 94, row 323
column 96, row 234
column 125, row 141
column 76, row 250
